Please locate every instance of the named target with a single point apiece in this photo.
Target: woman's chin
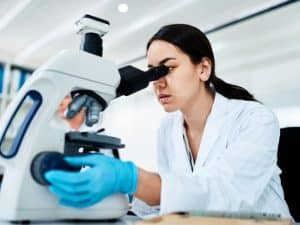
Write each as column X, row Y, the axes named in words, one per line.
column 169, row 108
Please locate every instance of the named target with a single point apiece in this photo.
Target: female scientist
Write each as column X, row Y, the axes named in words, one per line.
column 217, row 146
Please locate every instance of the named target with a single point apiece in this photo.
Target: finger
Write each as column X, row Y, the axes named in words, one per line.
column 76, row 198
column 85, row 160
column 66, row 177
column 74, row 189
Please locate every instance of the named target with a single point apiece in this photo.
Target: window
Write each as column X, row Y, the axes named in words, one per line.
column 18, row 124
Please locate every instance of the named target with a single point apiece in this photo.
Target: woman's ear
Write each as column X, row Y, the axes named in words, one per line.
column 204, row 68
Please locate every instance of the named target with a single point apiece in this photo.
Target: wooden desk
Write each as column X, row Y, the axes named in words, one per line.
column 193, row 220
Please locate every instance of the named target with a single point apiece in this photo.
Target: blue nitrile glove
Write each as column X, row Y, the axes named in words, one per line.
column 103, row 177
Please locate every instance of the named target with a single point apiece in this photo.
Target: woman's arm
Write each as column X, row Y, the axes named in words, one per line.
column 149, row 186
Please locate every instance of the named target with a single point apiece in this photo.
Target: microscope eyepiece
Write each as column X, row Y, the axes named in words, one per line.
column 134, row 79
column 92, row 29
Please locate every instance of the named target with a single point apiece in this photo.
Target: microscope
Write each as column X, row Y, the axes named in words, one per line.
column 33, row 139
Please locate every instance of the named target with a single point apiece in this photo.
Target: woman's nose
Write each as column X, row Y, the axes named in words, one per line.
column 160, row 83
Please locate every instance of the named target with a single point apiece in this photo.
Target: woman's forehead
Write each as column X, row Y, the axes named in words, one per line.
column 158, row 50
column 160, row 46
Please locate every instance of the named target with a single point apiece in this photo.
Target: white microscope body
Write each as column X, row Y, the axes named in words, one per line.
column 21, row 198
column 33, row 115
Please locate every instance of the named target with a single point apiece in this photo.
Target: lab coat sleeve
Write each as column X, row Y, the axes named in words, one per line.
column 235, row 179
column 162, row 159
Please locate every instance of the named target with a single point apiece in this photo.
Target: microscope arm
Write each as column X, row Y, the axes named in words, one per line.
column 132, row 80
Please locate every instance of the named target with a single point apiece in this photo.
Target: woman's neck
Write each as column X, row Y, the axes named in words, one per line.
column 197, row 111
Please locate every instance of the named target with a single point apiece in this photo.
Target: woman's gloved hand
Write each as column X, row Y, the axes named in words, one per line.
column 103, row 177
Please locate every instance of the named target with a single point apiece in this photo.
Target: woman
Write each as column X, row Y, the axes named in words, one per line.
column 217, row 146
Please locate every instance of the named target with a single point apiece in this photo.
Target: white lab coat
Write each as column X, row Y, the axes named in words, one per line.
column 236, row 167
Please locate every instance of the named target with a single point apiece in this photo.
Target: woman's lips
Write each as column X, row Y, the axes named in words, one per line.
column 164, row 99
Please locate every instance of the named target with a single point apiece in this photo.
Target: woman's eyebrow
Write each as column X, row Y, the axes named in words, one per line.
column 162, row 61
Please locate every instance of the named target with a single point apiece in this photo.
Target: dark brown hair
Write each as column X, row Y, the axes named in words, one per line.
column 196, row 45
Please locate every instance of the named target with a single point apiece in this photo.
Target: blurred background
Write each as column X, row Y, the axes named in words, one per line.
column 256, row 45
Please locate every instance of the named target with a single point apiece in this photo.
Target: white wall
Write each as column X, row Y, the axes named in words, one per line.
column 261, row 54
column 135, row 119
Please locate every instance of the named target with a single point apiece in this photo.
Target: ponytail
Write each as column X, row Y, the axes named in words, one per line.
column 196, row 45
column 231, row 91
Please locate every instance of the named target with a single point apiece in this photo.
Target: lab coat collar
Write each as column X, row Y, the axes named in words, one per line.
column 211, row 132
column 212, row 129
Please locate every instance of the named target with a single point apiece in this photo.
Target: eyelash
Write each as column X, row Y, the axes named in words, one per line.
column 170, row 68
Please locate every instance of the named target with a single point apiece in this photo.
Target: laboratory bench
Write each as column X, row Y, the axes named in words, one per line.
column 166, row 220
